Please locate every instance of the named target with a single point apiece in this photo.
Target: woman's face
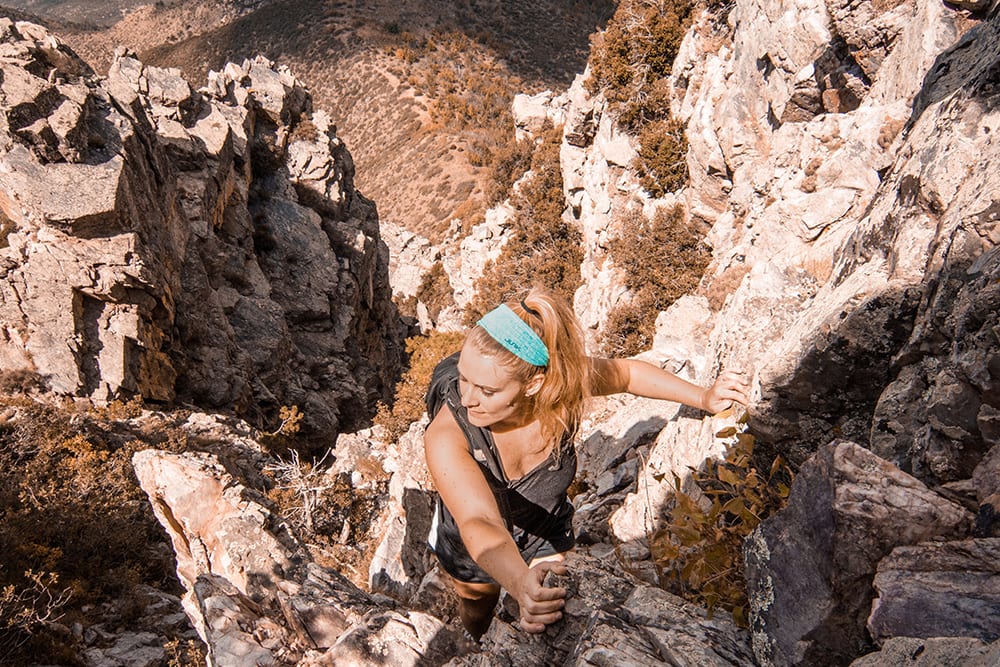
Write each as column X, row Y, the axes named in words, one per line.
column 489, row 392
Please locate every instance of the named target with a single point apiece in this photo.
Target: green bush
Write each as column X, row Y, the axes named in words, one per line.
column 661, row 259
column 543, row 249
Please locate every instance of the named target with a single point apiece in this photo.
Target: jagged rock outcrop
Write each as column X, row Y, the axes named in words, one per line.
column 201, row 246
column 843, row 155
column 809, row 567
column 256, row 598
column 252, row 591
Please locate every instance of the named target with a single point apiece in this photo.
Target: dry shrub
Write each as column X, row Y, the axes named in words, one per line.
column 543, row 249
column 470, row 212
column 408, row 405
column 509, row 164
column 700, row 548
column 21, row 381
column 72, row 509
column 305, row 130
column 435, row 291
column 724, row 285
column 661, row 259
column 630, row 59
column 662, row 160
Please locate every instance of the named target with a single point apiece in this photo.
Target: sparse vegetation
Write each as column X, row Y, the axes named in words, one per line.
column 543, row 248
column 630, row 59
column 306, row 480
column 76, row 530
column 629, row 64
column 510, row 161
column 661, row 259
column 424, row 354
column 700, row 549
column 27, row 607
column 435, row 291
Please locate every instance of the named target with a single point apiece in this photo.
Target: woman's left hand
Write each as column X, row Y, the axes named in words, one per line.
column 729, row 387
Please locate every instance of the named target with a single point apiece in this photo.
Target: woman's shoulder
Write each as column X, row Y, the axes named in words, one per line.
column 444, row 431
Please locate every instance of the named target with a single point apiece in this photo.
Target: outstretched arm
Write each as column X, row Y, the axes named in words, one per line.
column 465, row 493
column 633, row 376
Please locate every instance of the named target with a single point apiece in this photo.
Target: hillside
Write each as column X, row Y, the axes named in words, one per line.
column 381, row 68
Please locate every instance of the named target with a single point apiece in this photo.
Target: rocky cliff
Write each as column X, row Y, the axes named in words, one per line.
column 205, row 247
column 843, row 158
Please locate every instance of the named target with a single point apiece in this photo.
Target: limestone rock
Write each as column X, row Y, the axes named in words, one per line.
column 610, row 618
column 175, row 245
column 809, row 567
column 252, row 591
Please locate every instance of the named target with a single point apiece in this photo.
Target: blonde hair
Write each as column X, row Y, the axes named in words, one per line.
column 558, row 404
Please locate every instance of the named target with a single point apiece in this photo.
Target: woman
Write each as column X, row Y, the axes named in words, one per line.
column 501, row 456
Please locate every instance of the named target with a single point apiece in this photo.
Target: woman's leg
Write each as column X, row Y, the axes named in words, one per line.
column 476, row 603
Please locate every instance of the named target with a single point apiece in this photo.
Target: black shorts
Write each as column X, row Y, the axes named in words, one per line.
column 447, row 545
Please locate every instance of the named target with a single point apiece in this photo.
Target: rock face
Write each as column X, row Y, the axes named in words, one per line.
column 809, row 567
column 252, row 592
column 206, row 246
column 256, row 598
column 844, row 157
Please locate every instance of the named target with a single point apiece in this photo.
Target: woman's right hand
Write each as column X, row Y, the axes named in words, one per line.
column 540, row 605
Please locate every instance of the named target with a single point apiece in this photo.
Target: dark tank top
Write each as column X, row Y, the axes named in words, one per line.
column 535, row 508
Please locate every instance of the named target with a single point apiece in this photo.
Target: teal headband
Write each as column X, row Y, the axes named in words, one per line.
column 506, row 328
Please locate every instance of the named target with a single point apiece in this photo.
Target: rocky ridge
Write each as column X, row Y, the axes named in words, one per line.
column 179, row 245
column 875, row 372
column 844, row 159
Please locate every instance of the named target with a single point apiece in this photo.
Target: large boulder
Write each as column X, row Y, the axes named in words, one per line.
column 810, row 567
column 938, row 589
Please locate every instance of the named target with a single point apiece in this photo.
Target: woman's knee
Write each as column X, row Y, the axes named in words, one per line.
column 473, row 591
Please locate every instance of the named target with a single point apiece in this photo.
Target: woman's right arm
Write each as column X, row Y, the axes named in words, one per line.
column 466, row 494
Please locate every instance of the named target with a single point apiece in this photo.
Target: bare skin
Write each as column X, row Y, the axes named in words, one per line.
column 497, row 401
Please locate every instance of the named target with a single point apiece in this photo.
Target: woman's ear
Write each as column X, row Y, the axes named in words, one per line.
column 534, row 384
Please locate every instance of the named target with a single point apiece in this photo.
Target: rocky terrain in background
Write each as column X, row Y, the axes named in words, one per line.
column 842, row 155
column 182, row 246
column 357, row 59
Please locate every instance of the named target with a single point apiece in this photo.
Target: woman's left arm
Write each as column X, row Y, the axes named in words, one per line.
column 613, row 376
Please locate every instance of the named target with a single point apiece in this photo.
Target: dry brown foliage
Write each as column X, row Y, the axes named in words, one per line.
column 661, row 259
column 435, row 291
column 700, row 548
column 408, row 406
column 543, row 249
column 632, row 57
column 71, row 511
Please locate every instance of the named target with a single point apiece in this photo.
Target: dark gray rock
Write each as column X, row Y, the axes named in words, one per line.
column 809, row 567
column 949, row 589
column 937, row 652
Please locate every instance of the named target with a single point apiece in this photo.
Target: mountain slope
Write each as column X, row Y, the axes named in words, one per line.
column 380, row 67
